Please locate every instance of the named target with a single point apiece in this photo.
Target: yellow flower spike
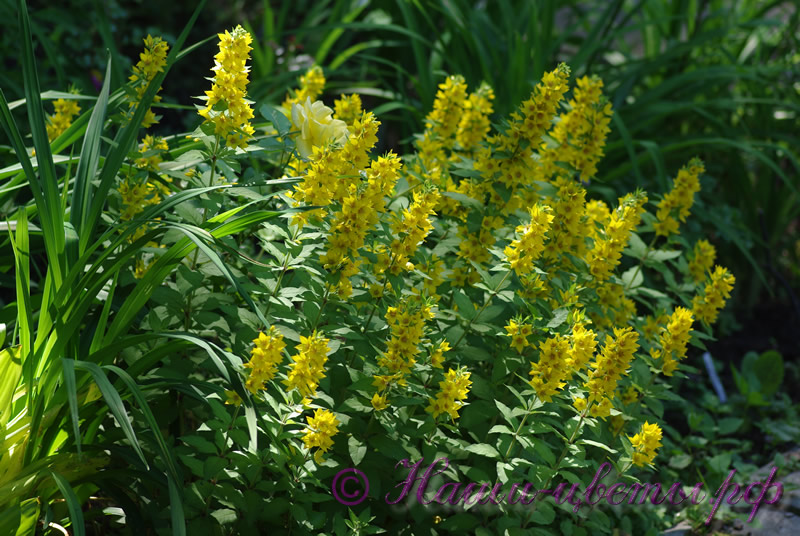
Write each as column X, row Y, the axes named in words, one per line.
column 308, row 366
column 452, row 392
column 645, row 443
column 320, row 431
column 703, row 256
column 679, row 200
column 151, row 62
column 229, row 89
column 707, row 304
column 61, row 120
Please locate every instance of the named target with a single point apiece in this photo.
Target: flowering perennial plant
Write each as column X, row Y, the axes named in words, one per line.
column 474, row 297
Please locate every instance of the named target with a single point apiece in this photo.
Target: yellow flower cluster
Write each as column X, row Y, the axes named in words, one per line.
column 308, row 366
column 538, row 110
column 452, row 392
column 707, row 304
column 150, row 151
column 359, row 211
column 559, row 358
column 412, row 228
column 607, row 250
column 266, row 355
column 567, row 233
column 311, row 85
column 348, row 108
column 703, row 257
column 474, row 123
column 580, row 133
column 583, row 343
column 679, row 199
column 645, row 443
column 320, row 431
column 673, row 341
column 523, row 251
column 332, row 171
column 549, row 373
column 226, row 106
column 407, row 325
column 609, row 367
column 65, row 112
column 136, row 196
column 437, row 356
column 519, row 333
column 444, row 119
column 151, row 62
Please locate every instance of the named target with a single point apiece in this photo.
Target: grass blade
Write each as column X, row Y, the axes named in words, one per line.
column 73, row 504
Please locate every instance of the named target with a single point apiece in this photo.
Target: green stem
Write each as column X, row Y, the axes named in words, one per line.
column 529, row 410
column 383, row 289
column 284, row 267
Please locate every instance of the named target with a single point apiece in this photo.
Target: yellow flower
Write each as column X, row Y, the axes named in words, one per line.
column 452, row 391
column 609, row 367
column 523, row 251
column 154, row 146
column 308, row 366
column 549, row 373
column 645, row 443
column 519, row 332
column 151, row 62
column 707, row 304
column 679, row 199
column 320, row 431
column 57, row 123
column 703, row 257
column 674, row 338
column 266, row 355
column 379, row 402
column 311, row 85
column 437, row 356
column 348, row 108
column 316, row 127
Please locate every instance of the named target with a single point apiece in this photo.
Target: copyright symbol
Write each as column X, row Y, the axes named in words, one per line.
column 339, row 487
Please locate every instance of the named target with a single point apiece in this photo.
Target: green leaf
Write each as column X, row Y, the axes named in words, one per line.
column 482, row 449
column 597, row 444
column 769, row 370
column 632, row 278
column 659, row 256
column 281, row 123
column 357, row 450
column 465, row 307
column 729, row 425
column 636, row 247
column 680, row 461
column 559, row 317
column 114, row 402
column 73, row 505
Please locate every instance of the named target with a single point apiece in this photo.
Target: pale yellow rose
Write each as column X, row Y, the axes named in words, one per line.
column 316, row 126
